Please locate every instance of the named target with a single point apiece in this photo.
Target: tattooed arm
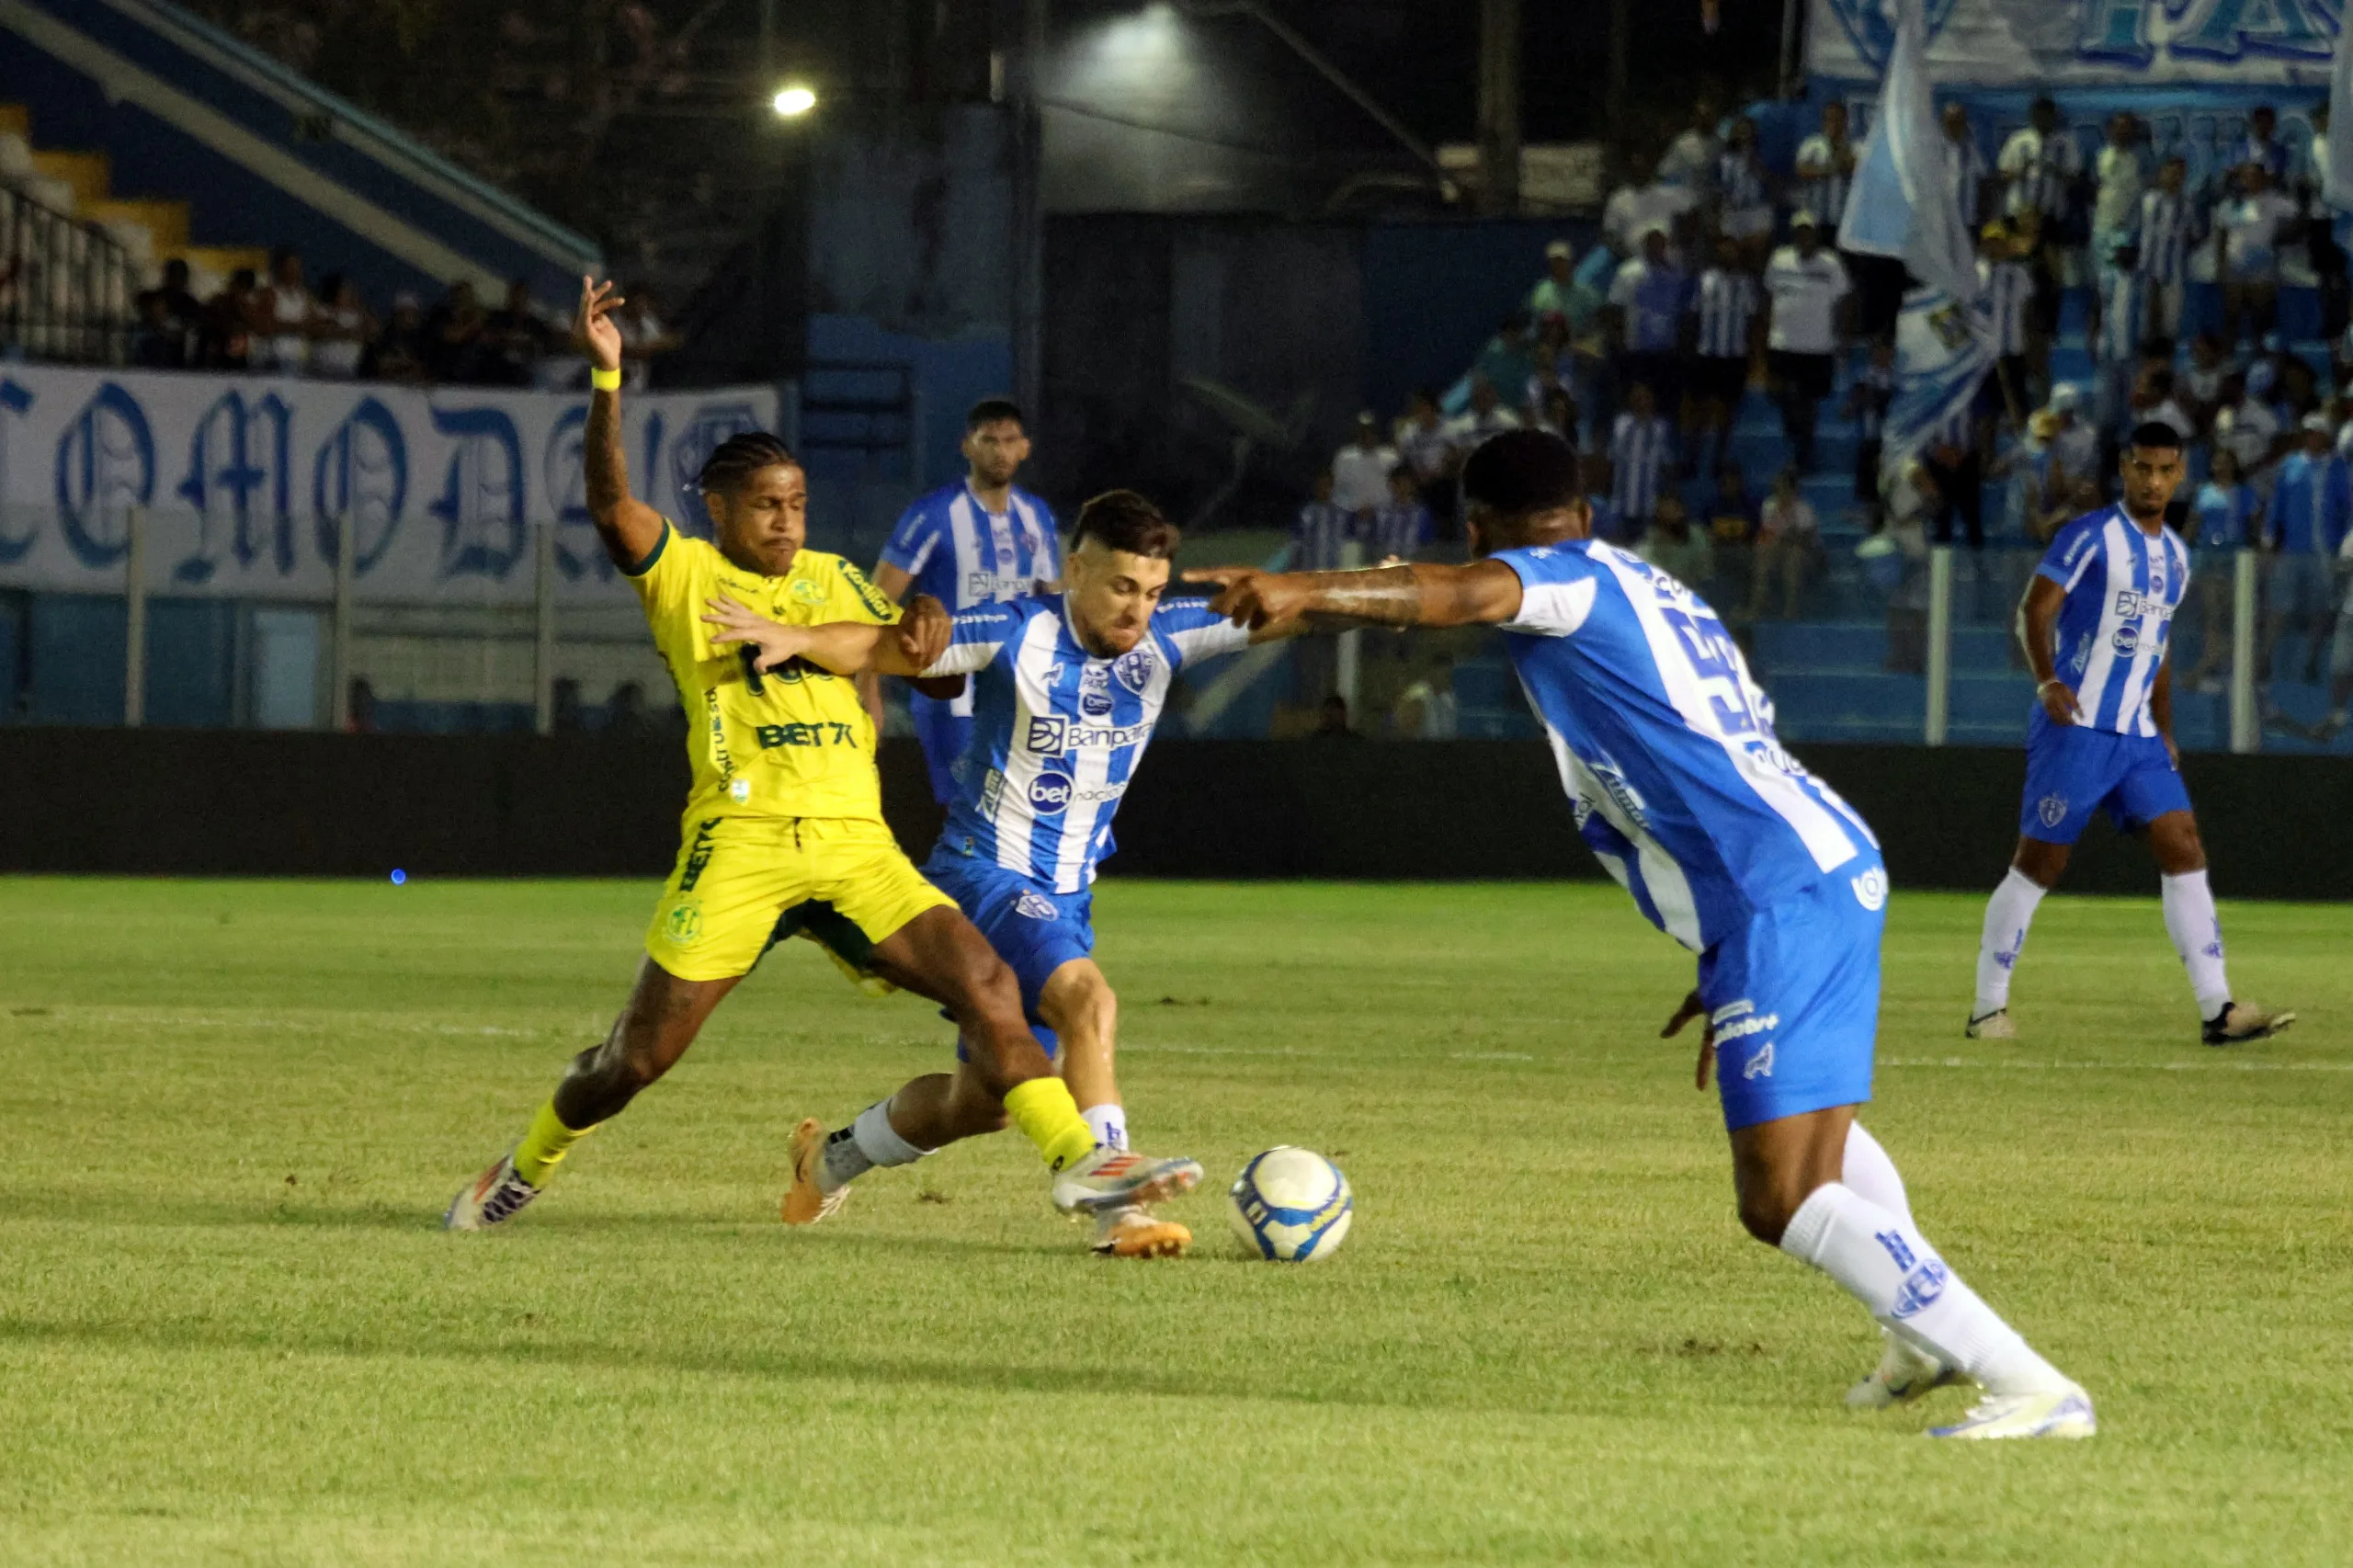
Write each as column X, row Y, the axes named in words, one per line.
column 1483, row 593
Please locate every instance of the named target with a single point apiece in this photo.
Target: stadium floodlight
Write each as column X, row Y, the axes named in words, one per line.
column 793, row 100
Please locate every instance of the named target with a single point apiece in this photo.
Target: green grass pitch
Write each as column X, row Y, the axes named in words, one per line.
column 231, row 1114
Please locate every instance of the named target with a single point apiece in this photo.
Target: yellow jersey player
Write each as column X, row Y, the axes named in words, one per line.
column 783, row 834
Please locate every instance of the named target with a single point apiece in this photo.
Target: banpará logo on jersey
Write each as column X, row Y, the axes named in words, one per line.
column 1036, row 906
column 2051, row 809
column 1134, row 667
column 1050, row 792
column 1870, row 887
column 1051, row 734
column 2130, row 605
column 982, row 587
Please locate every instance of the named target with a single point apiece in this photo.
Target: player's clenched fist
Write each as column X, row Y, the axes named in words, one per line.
column 925, row 630
column 2058, row 700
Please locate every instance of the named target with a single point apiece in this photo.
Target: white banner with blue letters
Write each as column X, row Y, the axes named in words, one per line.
column 241, row 481
column 2061, row 43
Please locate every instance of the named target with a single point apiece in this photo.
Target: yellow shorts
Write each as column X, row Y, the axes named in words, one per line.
column 743, row 884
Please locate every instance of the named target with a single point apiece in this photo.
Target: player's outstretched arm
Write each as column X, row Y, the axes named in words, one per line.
column 1485, row 592
column 628, row 527
column 845, row 647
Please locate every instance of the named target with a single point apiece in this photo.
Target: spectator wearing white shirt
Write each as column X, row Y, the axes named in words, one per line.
column 1806, row 286
column 1727, row 305
column 1965, row 169
column 2039, row 169
column 1789, row 542
column 2153, row 403
column 2010, row 291
column 1743, row 195
column 1642, row 459
column 2116, row 336
column 1360, row 469
column 2250, row 226
column 1550, row 297
column 1690, row 157
column 2074, row 445
column 1825, row 165
column 2121, row 171
column 1426, row 449
column 1647, row 300
column 2169, row 228
column 1486, row 416
column 2250, row 428
column 1401, row 525
column 1632, row 207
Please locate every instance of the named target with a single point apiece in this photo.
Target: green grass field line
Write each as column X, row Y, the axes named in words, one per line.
column 230, row 1113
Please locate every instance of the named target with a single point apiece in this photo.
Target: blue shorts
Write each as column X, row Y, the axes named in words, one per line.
column 1793, row 997
column 1035, row 931
column 2074, row 769
column 943, row 733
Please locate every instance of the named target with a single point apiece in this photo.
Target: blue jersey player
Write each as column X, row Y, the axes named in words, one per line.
column 981, row 540
column 1067, row 689
column 2096, row 625
column 1666, row 749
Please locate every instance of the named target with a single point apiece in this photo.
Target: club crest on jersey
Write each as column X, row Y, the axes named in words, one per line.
column 1133, row 668
column 2052, row 809
column 1048, row 735
column 1036, row 906
column 808, row 593
column 1050, row 793
column 1871, row 889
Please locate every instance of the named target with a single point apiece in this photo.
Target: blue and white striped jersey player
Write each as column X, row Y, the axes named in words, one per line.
column 2097, row 623
column 1666, row 749
column 1067, row 689
column 981, row 540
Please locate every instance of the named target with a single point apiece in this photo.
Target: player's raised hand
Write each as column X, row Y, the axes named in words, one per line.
column 594, row 331
column 2058, row 700
column 1250, row 597
column 925, row 630
column 732, row 622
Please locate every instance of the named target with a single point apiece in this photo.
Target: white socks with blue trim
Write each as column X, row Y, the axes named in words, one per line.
column 2197, row 936
column 1109, row 1122
column 1884, row 1263
column 2007, row 915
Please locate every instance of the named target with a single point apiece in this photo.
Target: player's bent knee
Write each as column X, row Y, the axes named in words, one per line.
column 1766, row 1216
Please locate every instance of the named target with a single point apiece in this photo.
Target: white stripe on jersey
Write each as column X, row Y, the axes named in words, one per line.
column 1818, row 825
column 1725, row 302
column 1033, row 673
column 1669, row 889
column 2166, row 220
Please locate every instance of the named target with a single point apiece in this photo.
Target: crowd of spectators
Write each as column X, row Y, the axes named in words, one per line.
column 281, row 325
column 1715, row 277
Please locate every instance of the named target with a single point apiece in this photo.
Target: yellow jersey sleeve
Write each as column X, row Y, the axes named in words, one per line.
column 793, row 742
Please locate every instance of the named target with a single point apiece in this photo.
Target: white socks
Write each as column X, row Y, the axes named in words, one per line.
column 1867, row 1172
column 2198, row 937
column 1109, row 1122
column 1884, row 1263
column 869, row 1141
column 2007, row 915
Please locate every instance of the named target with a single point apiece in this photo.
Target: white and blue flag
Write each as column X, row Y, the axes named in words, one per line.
column 1666, row 748
column 1943, row 336
column 1058, row 733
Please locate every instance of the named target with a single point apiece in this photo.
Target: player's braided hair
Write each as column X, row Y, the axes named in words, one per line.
column 1127, row 521
column 740, row 457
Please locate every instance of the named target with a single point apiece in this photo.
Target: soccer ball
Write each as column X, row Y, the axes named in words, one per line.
column 1291, row 1206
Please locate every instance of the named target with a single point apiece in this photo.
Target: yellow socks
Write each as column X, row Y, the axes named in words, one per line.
column 1049, row 1118
column 546, row 1143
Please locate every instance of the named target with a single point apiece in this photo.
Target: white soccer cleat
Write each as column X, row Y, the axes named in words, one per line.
column 1132, row 1233
column 1996, row 1024
column 1904, row 1374
column 491, row 1198
column 1116, row 1178
column 2064, row 1412
column 2240, row 1022
column 808, row 1201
